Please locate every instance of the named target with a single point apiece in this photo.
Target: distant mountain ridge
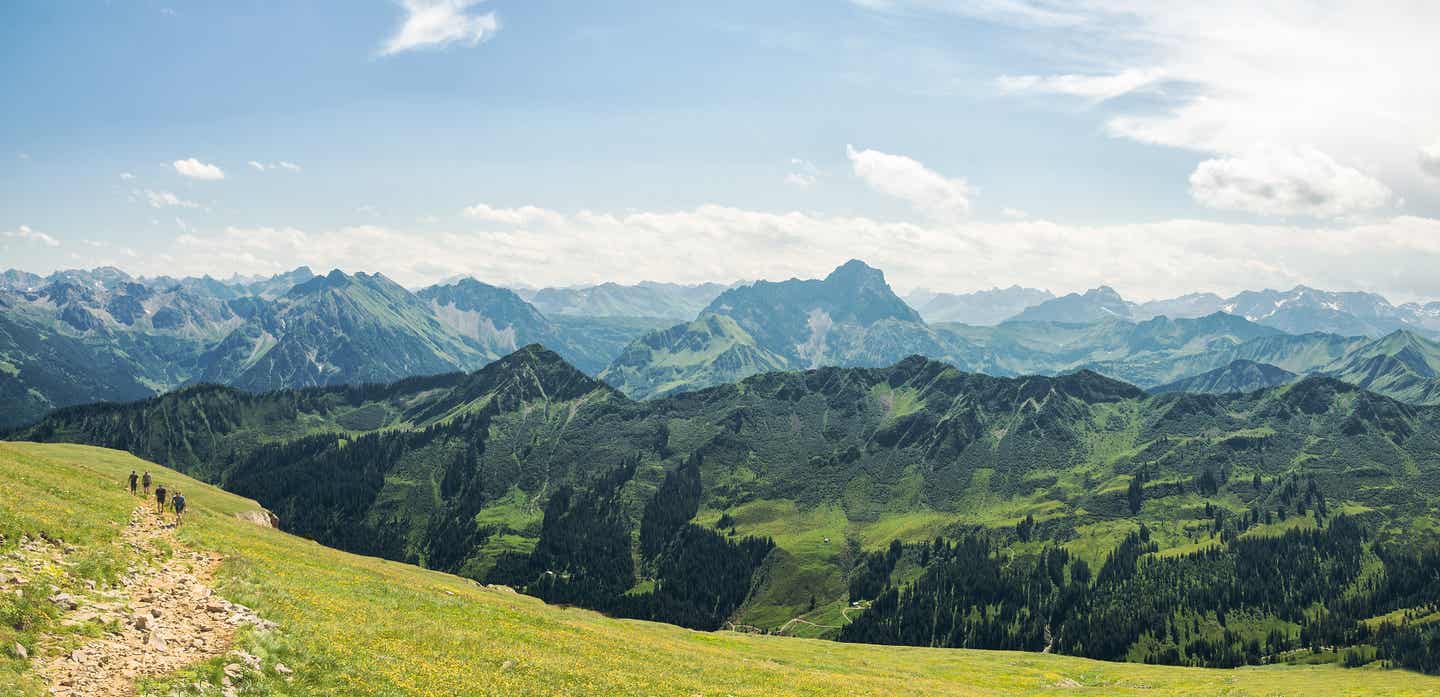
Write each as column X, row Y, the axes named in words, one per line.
column 1300, row 310
column 984, row 307
column 671, row 301
column 1239, row 375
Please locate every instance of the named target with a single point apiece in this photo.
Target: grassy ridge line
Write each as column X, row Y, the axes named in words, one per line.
column 365, row 626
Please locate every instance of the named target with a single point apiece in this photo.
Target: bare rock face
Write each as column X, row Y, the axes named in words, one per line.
column 262, row 517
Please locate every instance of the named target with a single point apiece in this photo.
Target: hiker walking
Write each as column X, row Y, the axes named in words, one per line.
column 145, row 481
column 134, row 478
column 160, row 499
column 178, row 501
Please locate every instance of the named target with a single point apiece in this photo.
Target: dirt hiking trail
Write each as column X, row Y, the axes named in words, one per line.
column 162, row 617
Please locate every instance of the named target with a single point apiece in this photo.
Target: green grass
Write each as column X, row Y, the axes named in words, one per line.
column 356, row 625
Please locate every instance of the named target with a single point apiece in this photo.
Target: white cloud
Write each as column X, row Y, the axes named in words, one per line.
column 522, row 216
column 288, row 165
column 1094, row 87
column 259, row 166
column 126, row 176
column 904, row 178
column 24, row 232
column 196, row 169
column 1394, row 256
column 164, row 199
column 1430, row 159
column 440, row 23
column 1286, row 181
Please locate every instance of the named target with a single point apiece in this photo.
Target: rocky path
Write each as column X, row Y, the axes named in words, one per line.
column 162, row 617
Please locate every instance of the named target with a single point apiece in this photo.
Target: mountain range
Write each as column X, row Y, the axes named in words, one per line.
column 849, row 318
column 92, row 335
column 101, row 335
column 1300, row 310
column 853, row 318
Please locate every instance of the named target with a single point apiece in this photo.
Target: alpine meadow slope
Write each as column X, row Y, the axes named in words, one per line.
column 458, row 638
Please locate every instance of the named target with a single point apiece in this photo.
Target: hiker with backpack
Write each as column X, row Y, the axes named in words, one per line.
column 160, row 499
column 133, row 478
column 178, row 502
column 145, row 480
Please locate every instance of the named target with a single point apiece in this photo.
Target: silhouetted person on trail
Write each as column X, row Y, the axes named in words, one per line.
column 178, row 501
column 133, row 479
column 160, row 499
column 145, row 480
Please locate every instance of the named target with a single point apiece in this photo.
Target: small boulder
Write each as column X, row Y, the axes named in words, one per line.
column 20, row 651
column 283, row 669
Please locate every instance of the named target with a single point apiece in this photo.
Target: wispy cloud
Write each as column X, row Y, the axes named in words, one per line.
column 1093, row 87
column 24, row 232
column 196, row 169
column 1226, row 77
column 803, row 173
column 164, row 199
column 440, row 23
column 281, row 164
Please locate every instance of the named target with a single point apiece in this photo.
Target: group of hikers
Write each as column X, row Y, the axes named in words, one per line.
column 177, row 499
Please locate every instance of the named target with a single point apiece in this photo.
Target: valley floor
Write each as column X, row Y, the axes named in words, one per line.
column 363, row 626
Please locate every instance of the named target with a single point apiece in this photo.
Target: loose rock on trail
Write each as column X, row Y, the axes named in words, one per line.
column 162, row 617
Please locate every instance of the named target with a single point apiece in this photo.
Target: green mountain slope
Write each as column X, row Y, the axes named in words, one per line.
column 1402, row 364
column 530, row 473
column 344, row 619
column 1239, row 376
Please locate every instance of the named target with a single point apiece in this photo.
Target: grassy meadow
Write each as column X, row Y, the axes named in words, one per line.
column 356, row 625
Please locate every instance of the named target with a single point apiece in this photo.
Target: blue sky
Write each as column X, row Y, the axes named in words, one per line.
column 1158, row 147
